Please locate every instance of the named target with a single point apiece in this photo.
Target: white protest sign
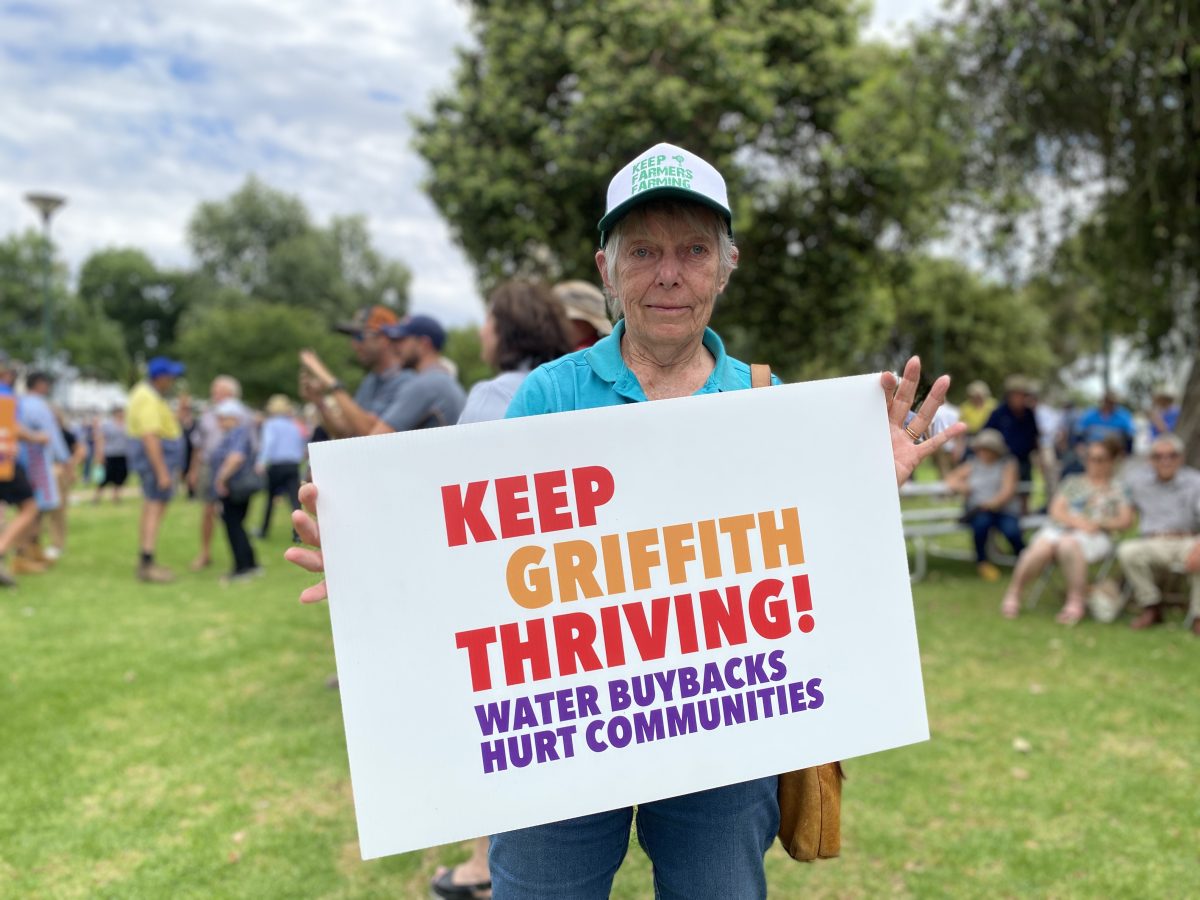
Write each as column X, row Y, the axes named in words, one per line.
column 541, row 618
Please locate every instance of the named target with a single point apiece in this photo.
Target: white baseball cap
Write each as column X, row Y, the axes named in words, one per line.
column 664, row 171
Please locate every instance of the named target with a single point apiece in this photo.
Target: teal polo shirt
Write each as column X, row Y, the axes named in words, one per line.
column 598, row 376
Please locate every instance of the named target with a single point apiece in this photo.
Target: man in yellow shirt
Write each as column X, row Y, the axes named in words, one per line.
column 156, row 455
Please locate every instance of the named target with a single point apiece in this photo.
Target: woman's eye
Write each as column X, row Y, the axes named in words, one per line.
column 641, row 252
column 699, row 249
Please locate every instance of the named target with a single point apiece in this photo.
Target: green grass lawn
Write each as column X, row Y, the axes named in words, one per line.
column 180, row 741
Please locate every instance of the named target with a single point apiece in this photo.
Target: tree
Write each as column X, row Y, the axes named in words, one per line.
column 257, row 342
column 92, row 341
column 830, row 149
column 967, row 327
column 262, row 243
column 233, row 239
column 145, row 303
column 270, row 283
column 1104, row 94
column 22, row 263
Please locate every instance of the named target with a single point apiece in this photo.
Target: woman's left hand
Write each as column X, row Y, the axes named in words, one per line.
column 900, row 395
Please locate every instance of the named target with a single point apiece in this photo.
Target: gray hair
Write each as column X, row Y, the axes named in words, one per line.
column 1174, row 441
column 229, row 383
column 701, row 218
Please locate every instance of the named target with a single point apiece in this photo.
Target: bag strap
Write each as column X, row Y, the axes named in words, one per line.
column 760, row 375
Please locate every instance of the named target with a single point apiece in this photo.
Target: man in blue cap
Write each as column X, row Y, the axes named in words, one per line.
column 430, row 397
column 433, row 396
column 156, row 455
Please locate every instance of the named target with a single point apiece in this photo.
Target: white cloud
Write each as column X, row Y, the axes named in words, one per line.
column 138, row 112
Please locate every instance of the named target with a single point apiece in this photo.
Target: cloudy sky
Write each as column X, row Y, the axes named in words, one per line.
column 137, row 111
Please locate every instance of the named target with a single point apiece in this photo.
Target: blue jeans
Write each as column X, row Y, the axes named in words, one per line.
column 983, row 521
column 704, row 845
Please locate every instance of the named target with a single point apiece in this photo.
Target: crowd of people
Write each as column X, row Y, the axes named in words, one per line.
column 1096, row 489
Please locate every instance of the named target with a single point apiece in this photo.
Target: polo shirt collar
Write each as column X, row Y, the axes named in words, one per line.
column 605, row 359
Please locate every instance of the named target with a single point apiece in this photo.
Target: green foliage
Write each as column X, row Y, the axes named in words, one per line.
column 462, row 347
column 257, row 342
column 125, row 286
column 22, row 269
column 831, row 150
column 22, row 263
column 95, row 343
column 261, row 242
column 1100, row 93
column 977, row 328
column 233, row 239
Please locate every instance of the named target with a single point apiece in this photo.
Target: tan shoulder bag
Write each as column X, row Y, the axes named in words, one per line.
column 810, row 800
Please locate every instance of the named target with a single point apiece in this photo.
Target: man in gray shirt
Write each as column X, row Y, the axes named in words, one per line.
column 433, row 397
column 1167, row 497
column 341, row 414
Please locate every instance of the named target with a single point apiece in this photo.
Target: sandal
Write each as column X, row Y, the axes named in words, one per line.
column 1010, row 606
column 1072, row 612
column 443, row 886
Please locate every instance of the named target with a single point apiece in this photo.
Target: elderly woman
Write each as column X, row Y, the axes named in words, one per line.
column 988, row 481
column 235, row 483
column 1085, row 512
column 666, row 253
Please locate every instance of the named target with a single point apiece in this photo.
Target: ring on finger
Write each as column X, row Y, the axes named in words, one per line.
column 915, row 435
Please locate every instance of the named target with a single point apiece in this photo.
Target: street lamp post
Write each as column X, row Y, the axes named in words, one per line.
column 47, row 205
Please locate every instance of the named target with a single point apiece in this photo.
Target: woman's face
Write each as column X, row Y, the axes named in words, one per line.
column 488, row 340
column 668, row 280
column 1099, row 462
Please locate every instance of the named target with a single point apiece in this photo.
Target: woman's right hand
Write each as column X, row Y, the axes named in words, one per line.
column 305, row 522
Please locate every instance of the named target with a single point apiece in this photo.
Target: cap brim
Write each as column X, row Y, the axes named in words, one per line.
column 348, row 328
column 614, row 215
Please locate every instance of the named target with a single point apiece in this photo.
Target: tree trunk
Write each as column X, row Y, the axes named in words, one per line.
column 1188, row 427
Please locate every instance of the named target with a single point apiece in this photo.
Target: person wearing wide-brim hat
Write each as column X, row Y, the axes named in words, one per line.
column 1015, row 420
column 666, row 252
column 586, row 310
column 282, row 449
column 988, row 482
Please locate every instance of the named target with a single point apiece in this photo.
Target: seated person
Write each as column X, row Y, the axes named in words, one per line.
column 1167, row 498
column 988, row 480
column 1087, row 509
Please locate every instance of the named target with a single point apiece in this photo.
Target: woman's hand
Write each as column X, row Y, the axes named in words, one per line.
column 305, row 522
column 900, row 395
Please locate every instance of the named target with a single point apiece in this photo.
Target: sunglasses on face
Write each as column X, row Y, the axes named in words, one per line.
column 1169, row 455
